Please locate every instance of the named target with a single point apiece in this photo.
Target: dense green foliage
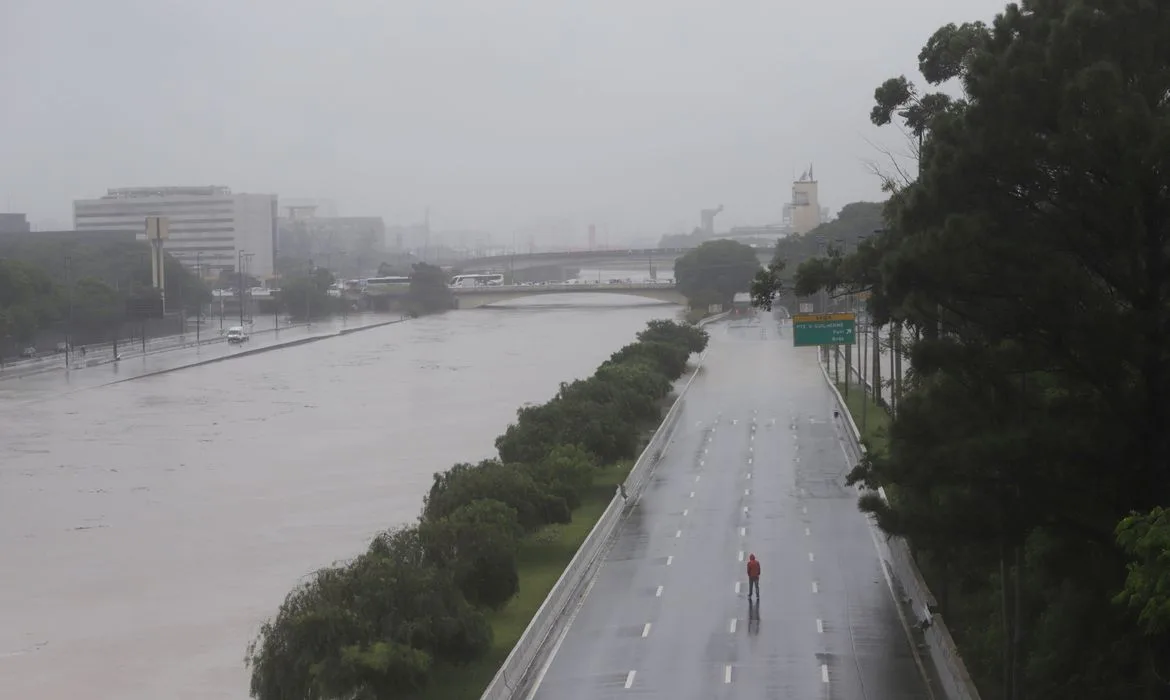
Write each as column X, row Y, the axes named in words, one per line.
column 122, row 265
column 1030, row 264
column 797, row 256
column 715, row 272
column 306, row 296
column 428, row 290
column 382, row 625
column 46, row 282
column 28, row 300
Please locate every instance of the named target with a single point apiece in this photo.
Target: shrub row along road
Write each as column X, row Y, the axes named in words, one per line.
column 757, row 466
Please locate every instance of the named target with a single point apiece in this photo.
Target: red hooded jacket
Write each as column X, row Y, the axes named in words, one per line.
column 753, row 567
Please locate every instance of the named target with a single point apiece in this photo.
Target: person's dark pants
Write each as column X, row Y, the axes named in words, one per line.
column 753, row 585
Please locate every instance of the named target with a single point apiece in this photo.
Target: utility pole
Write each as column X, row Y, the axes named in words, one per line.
column 69, row 330
column 199, row 313
column 240, row 270
column 309, row 297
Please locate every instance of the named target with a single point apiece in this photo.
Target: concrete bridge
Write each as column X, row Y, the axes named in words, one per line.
column 475, row 297
column 662, row 258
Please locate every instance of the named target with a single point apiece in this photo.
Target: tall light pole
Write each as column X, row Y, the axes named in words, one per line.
column 199, row 312
column 309, row 297
column 240, row 270
column 69, row 331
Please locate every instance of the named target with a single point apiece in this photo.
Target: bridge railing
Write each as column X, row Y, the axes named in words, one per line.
column 532, row 650
column 579, row 287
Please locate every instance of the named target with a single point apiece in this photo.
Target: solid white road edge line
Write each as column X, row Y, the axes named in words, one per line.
column 561, row 638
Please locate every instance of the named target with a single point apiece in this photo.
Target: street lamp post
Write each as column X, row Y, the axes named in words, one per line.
column 241, row 259
column 69, row 330
column 199, row 312
column 309, row 297
column 240, row 270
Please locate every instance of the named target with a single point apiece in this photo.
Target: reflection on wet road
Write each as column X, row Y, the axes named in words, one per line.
column 757, row 467
column 148, row 527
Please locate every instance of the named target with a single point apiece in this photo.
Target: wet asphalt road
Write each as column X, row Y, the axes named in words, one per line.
column 758, row 466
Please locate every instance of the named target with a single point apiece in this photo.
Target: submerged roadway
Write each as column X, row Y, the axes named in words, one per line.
column 758, row 465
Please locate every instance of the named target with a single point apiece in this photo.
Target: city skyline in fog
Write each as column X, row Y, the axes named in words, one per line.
column 506, row 118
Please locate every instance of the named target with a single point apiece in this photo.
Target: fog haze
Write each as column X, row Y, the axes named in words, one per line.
column 498, row 115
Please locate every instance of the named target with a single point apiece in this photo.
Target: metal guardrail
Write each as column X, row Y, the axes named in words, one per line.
column 515, row 675
column 103, row 353
column 900, row 567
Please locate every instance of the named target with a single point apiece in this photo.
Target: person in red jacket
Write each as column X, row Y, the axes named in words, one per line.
column 753, row 572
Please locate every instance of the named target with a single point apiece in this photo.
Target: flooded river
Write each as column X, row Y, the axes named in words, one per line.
column 148, row 527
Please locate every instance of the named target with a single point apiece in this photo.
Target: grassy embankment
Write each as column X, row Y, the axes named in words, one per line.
column 875, row 418
column 543, row 557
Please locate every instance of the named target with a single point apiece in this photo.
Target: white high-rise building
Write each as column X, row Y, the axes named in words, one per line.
column 208, row 224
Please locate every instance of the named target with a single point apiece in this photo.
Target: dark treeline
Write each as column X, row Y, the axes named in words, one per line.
column 88, row 286
column 1026, row 270
column 383, row 624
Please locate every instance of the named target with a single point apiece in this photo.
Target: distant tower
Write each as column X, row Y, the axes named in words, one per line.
column 805, row 206
column 707, row 218
column 592, row 237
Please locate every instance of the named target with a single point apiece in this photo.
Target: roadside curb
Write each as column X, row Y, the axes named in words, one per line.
column 902, row 574
column 256, row 351
column 537, row 645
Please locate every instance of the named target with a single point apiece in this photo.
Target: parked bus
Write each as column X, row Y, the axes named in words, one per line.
column 475, row 280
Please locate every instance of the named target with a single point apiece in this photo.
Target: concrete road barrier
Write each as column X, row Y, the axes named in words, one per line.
column 532, row 650
column 951, row 673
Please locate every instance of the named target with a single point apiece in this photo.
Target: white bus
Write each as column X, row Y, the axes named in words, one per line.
column 475, row 280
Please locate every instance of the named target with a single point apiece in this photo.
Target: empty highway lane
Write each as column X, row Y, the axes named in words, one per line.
column 758, row 466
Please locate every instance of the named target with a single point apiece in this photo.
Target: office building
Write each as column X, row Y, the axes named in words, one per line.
column 347, row 245
column 14, row 223
column 209, row 225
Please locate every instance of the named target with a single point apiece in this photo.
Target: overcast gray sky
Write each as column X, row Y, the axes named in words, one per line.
column 632, row 114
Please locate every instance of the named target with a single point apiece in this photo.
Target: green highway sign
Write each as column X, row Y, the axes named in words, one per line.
column 823, row 329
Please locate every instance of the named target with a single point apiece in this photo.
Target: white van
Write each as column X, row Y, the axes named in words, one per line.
column 237, row 334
